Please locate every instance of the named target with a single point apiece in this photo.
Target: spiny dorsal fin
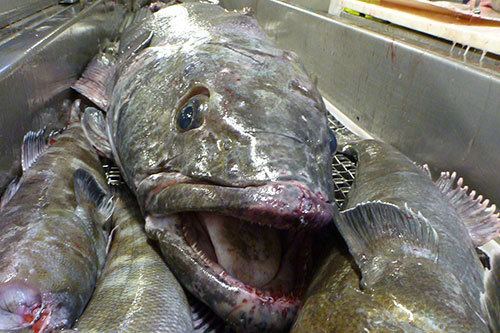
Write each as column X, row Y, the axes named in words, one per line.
column 9, row 192
column 34, row 144
column 378, row 233
column 90, row 195
column 94, row 127
column 481, row 219
column 96, row 82
column 490, row 299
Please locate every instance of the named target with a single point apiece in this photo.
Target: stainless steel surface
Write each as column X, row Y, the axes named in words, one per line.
column 314, row 5
column 430, row 99
column 39, row 60
column 13, row 10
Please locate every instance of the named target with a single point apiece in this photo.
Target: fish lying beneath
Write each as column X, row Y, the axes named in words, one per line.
column 136, row 291
column 412, row 241
column 53, row 231
column 224, row 140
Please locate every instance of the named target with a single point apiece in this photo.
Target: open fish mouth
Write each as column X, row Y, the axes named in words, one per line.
column 243, row 251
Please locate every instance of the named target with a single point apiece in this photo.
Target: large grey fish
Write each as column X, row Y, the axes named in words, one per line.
column 136, row 291
column 419, row 271
column 52, row 232
column 223, row 137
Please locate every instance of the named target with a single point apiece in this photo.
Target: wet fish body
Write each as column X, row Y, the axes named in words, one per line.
column 52, row 244
column 412, row 264
column 136, row 291
column 224, row 140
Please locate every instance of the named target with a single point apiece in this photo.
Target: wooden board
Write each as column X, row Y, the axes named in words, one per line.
column 469, row 30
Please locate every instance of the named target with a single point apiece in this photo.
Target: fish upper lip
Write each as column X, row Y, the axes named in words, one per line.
column 279, row 204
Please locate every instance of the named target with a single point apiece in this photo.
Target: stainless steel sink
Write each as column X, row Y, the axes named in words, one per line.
column 42, row 54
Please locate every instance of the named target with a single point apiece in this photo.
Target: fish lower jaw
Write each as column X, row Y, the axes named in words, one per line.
column 270, row 277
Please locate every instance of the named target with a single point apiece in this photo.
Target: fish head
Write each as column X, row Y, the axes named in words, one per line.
column 232, row 169
column 24, row 306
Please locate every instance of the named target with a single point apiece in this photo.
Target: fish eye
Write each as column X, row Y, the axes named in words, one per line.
column 190, row 115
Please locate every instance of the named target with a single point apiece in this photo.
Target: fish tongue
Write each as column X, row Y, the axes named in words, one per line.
column 248, row 252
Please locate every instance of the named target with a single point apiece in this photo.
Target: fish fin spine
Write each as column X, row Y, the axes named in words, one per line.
column 34, row 144
column 481, row 219
column 371, row 228
column 425, row 169
column 89, row 193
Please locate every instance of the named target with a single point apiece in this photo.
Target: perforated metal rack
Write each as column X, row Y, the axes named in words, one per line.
column 343, row 169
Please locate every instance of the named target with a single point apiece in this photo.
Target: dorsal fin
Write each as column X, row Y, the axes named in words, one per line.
column 378, row 233
column 96, row 82
column 90, row 195
column 34, row 144
column 94, row 127
column 481, row 219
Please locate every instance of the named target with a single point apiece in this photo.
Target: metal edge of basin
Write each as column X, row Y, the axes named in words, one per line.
column 437, row 109
column 12, row 10
column 38, row 66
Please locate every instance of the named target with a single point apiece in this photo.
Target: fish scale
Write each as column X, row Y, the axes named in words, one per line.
column 136, row 291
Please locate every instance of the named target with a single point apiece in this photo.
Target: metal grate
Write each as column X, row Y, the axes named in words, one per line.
column 112, row 172
column 343, row 169
column 343, row 172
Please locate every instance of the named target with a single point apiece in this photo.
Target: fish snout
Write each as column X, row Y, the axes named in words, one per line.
column 290, row 204
column 20, row 305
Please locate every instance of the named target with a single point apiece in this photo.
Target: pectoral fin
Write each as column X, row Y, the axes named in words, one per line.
column 97, row 201
column 94, row 127
column 378, row 233
column 481, row 219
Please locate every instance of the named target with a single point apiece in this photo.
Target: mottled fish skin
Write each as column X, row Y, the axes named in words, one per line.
column 136, row 291
column 51, row 254
column 262, row 152
column 387, row 175
column 335, row 303
column 266, row 120
column 417, row 295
